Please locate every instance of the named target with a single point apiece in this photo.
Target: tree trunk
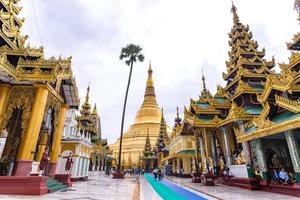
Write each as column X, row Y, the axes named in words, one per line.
column 123, row 117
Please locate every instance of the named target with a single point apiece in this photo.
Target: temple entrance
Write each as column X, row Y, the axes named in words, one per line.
column 277, row 153
column 13, row 132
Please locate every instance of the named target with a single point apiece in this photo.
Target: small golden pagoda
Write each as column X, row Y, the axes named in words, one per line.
column 148, row 117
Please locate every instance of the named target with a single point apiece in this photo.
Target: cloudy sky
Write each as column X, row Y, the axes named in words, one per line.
column 180, row 37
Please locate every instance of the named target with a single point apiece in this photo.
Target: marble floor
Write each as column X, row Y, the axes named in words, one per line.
column 98, row 187
column 224, row 192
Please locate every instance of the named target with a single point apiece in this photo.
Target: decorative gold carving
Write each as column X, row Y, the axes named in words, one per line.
column 292, row 105
column 55, row 104
column 270, row 130
column 221, row 92
column 21, row 97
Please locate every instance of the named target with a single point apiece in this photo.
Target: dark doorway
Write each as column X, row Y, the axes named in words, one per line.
column 14, row 132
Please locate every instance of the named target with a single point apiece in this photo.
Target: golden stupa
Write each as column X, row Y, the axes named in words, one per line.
column 148, row 117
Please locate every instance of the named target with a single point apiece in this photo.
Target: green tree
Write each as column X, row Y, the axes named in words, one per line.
column 131, row 53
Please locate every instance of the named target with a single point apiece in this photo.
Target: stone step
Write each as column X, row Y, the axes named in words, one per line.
column 54, row 185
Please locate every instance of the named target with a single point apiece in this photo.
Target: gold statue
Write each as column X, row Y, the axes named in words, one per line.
column 222, row 163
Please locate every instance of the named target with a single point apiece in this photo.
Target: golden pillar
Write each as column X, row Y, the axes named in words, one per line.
column 42, row 145
column 29, row 141
column 4, row 93
column 57, row 138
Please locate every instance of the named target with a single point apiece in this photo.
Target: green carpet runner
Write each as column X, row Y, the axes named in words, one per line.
column 54, row 185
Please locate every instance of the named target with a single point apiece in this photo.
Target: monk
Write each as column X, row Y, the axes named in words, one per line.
column 44, row 162
column 69, row 162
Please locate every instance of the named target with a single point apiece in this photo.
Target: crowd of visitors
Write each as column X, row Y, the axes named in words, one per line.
column 282, row 177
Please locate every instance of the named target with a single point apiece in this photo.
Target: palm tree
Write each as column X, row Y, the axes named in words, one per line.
column 131, row 53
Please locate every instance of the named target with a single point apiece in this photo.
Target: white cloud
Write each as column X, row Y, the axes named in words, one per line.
column 179, row 37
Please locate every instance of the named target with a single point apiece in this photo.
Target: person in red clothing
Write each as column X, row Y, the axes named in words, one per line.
column 44, row 162
column 69, row 162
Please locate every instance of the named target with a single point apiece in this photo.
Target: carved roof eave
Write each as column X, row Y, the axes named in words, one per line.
column 293, row 60
column 241, row 52
column 238, row 78
column 32, row 52
column 295, row 40
column 209, row 110
column 194, row 121
column 291, row 105
column 6, row 15
column 207, row 124
column 259, row 72
column 235, row 119
column 236, row 113
column 269, row 129
column 274, row 82
column 241, row 92
column 217, row 105
column 12, row 44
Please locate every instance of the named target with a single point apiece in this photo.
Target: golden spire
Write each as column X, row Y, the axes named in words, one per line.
column 95, row 110
column 150, row 97
column 205, row 92
column 203, row 81
column 235, row 15
column 86, row 107
column 149, row 80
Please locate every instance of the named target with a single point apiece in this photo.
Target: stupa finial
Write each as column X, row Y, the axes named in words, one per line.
column 234, row 12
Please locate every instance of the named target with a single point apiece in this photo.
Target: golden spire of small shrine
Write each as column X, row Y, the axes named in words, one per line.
column 95, row 110
column 235, row 15
column 203, row 81
column 87, row 97
column 86, row 107
column 205, row 92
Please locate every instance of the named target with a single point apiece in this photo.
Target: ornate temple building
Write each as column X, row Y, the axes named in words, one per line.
column 251, row 125
column 82, row 138
column 147, row 121
column 89, row 126
column 35, row 94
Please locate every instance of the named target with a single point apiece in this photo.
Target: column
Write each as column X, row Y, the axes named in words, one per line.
column 178, row 165
column 294, row 152
column 79, row 166
column 247, row 152
column 57, row 138
column 202, row 155
column 214, row 151
column 29, row 141
column 88, row 165
column 226, row 144
column 4, row 93
column 186, row 165
column 197, row 157
column 42, row 145
column 261, row 160
column 173, row 166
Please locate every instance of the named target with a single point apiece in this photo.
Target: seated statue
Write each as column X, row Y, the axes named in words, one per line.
column 241, row 157
column 236, row 161
column 221, row 163
column 275, row 162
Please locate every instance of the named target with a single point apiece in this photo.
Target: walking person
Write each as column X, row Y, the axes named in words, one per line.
column 44, row 162
column 155, row 173
column 159, row 173
column 69, row 162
